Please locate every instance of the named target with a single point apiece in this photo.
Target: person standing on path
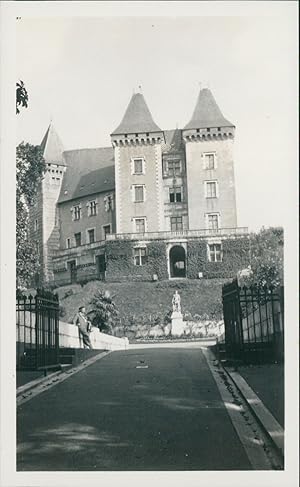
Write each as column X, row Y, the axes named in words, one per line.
column 84, row 326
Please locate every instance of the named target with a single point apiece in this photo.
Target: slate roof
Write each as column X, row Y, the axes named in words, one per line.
column 207, row 113
column 52, row 147
column 173, row 141
column 137, row 118
column 89, row 171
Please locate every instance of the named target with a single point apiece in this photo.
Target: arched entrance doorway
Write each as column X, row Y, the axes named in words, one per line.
column 177, row 261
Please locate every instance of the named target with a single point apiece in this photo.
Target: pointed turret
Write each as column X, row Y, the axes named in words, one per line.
column 52, row 147
column 139, row 140
column 207, row 114
column 137, row 118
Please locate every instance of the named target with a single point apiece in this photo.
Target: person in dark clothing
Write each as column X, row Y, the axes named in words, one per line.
column 84, row 326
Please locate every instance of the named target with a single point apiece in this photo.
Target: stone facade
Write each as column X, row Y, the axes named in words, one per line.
column 199, row 175
column 149, row 204
column 102, row 220
column 156, row 205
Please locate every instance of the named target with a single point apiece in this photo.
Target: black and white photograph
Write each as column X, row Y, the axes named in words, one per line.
column 149, row 266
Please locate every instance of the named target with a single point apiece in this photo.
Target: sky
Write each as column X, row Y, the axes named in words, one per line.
column 81, row 73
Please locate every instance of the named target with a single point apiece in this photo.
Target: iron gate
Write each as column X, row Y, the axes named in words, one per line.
column 254, row 323
column 37, row 330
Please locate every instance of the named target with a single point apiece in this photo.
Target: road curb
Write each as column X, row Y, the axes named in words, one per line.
column 56, row 378
column 34, row 383
column 270, row 425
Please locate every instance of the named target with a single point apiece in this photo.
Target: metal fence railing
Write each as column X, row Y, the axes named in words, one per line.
column 254, row 322
column 37, row 340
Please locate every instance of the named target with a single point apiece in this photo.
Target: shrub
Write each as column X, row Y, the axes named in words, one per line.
column 266, row 251
column 104, row 314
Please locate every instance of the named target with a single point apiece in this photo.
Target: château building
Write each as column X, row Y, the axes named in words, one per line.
column 158, row 204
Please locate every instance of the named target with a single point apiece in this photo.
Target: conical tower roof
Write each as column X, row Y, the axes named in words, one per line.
column 52, row 147
column 207, row 113
column 137, row 118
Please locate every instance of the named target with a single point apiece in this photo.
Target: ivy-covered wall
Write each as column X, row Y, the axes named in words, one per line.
column 235, row 257
column 120, row 262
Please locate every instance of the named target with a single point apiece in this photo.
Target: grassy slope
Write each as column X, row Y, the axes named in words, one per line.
column 148, row 298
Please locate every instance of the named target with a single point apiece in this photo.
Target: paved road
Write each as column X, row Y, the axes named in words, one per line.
column 115, row 416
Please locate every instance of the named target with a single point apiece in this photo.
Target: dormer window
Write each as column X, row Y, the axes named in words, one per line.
column 76, row 212
column 109, row 202
column 92, row 208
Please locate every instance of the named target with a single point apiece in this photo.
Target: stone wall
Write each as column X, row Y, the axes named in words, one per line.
column 69, row 337
column 152, row 207
column 119, row 256
column 68, row 227
column 225, row 203
column 50, row 192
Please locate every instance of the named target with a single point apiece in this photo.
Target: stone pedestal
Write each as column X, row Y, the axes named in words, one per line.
column 177, row 324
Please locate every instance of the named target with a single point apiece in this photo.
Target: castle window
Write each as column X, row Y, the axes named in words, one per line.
column 147, row 134
column 77, row 212
column 210, row 161
column 219, row 129
column 176, row 223
column 109, row 202
column 77, row 239
column 213, row 221
column 175, row 194
column 106, row 231
column 91, row 235
column 211, row 189
column 138, row 166
column 140, row 256
column 208, row 130
column 37, row 248
column 140, row 225
column 139, row 195
column 215, row 253
column 35, row 225
column 174, row 168
column 92, row 208
column 68, row 243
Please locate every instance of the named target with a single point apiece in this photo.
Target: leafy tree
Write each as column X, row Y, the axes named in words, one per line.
column 21, row 96
column 266, row 256
column 30, row 166
column 103, row 313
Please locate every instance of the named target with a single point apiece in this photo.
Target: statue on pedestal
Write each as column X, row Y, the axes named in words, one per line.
column 176, row 302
